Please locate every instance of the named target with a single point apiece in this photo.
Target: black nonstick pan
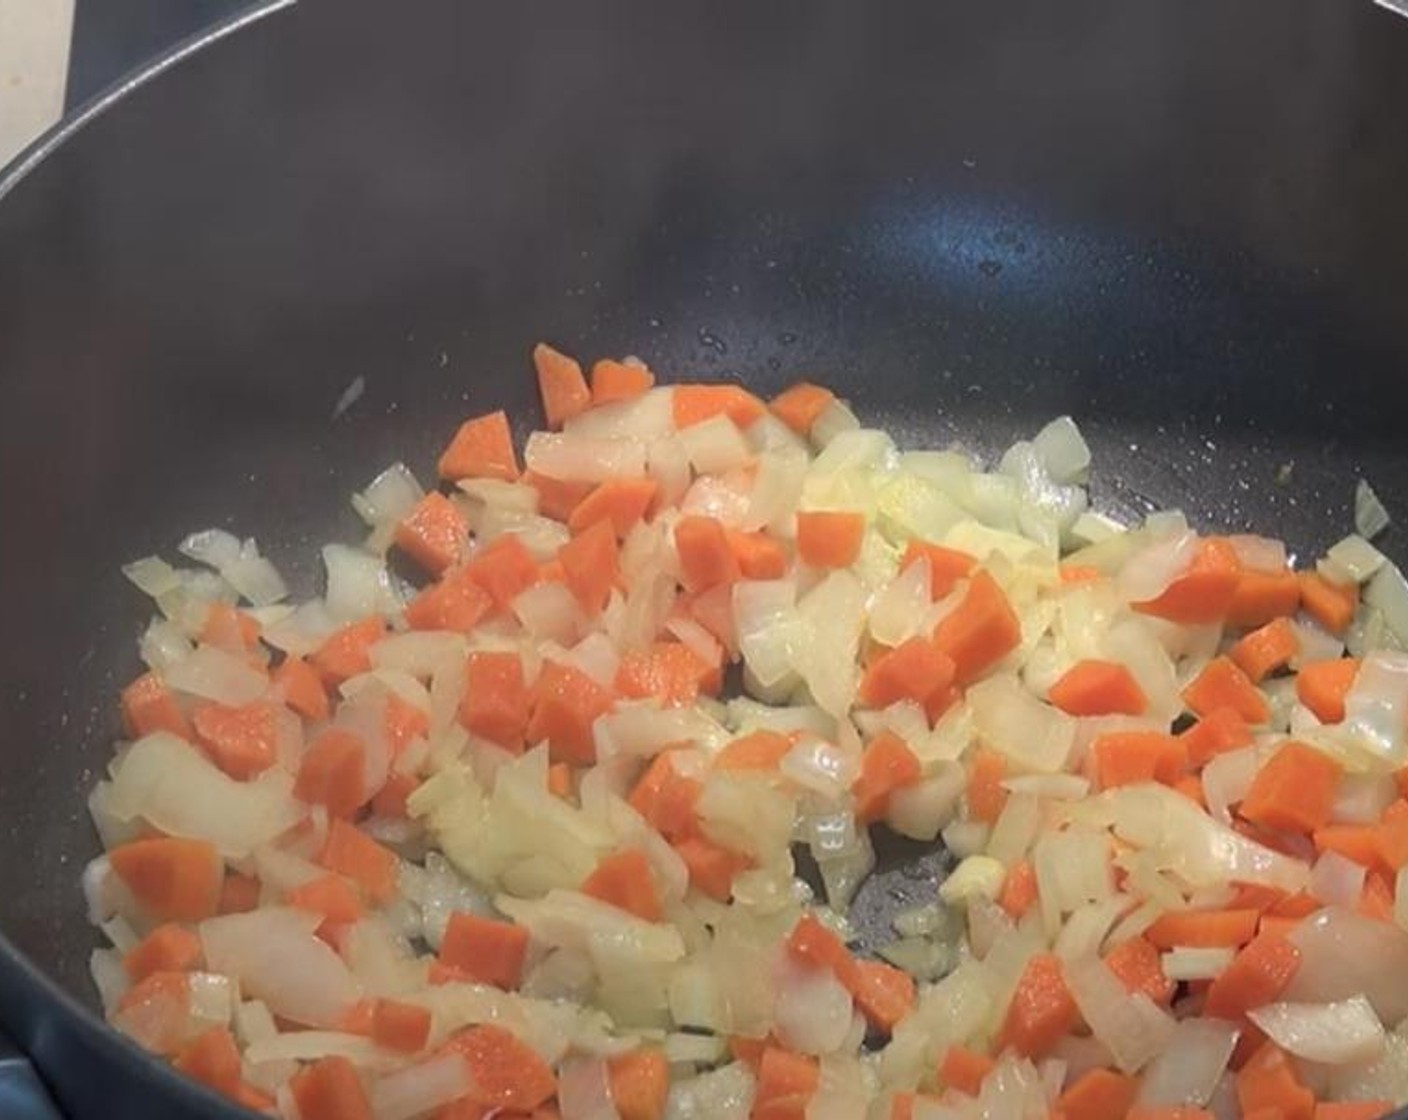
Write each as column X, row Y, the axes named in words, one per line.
column 1183, row 222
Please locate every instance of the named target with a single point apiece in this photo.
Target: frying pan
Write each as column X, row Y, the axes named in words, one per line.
column 1181, row 222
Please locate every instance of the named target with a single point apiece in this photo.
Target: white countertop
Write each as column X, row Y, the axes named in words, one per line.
column 34, row 45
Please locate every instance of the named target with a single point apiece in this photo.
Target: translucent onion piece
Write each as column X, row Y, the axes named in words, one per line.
column 1336, row 1033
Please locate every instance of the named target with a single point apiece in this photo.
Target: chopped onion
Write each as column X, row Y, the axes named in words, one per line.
column 922, row 810
column 358, row 584
column 1133, row 1028
column 1336, row 1033
column 583, row 1091
column 152, row 576
column 820, row 766
column 647, row 417
column 583, row 458
column 389, row 496
column 1354, row 559
column 1387, row 592
column 549, row 612
column 1149, row 572
column 898, row 612
column 213, row 674
column 715, row 446
column 1260, row 554
column 1189, row 1068
column 1196, row 964
column 721, row 1094
column 765, row 619
column 813, row 1009
column 1344, row 954
column 421, row 1088
column 1034, row 735
column 831, row 615
column 1370, row 516
column 1015, row 828
column 1063, row 451
column 1376, row 707
column 308, row 1046
column 276, row 958
column 166, row 781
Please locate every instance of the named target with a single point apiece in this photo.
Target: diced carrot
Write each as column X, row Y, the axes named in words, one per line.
column 749, row 1051
column 351, row 852
column 828, row 538
column 1332, row 605
column 1139, row 966
column 487, row 951
column 886, row 765
column 902, row 1105
column 1255, row 896
column 1357, row 842
column 1263, row 596
column 1376, row 897
column 1018, row 889
column 332, row 896
column 1267, row 649
column 561, row 385
column 238, row 894
column 711, row 866
column 481, row 448
column 1041, row 1010
column 506, row 1072
column 786, row 1083
column 1298, row 905
column 882, row 993
column 504, row 568
column 813, row 945
column 1168, row 1112
column 946, row 565
column 981, row 631
column 913, row 670
column 1098, row 688
column 758, row 750
column 1274, row 926
column 800, row 405
column 693, row 404
column 671, row 672
column 173, row 879
column 332, row 773
column 1098, row 1094
column 434, row 534
column 1392, row 839
column 1269, row 1080
column 619, row 381
column 565, row 704
column 457, row 603
column 1222, row 684
column 213, row 1059
column 624, row 880
column 985, row 794
column 590, row 565
column 390, row 800
column 622, row 502
column 148, row 706
column 1121, row 758
column 757, row 554
column 168, row 948
column 558, row 497
column 1294, row 790
column 1204, row 593
column 302, row 688
column 560, row 780
column 1203, row 929
column 241, row 741
column 1352, row 1110
column 964, row 1070
column 1191, row 786
column 494, row 704
column 229, row 628
column 403, row 722
column 706, row 560
column 345, row 652
column 1322, row 686
column 400, row 1026
column 330, row 1089
column 1079, row 573
column 666, row 798
column 1219, row 731
column 639, row 1082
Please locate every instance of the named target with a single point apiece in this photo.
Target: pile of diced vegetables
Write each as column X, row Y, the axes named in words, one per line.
column 499, row 843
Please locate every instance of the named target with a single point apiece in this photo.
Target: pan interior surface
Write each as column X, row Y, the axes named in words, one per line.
column 1181, row 225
